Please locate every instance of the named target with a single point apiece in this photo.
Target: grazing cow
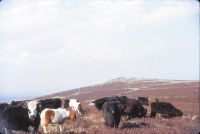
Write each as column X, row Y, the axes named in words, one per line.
column 16, row 118
column 99, row 102
column 112, row 113
column 36, row 106
column 56, row 116
column 133, row 108
column 167, row 110
column 143, row 100
column 74, row 104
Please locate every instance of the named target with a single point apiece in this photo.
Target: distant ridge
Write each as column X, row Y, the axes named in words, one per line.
column 131, row 79
column 123, row 86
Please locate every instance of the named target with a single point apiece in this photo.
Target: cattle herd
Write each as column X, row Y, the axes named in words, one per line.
column 116, row 106
column 28, row 115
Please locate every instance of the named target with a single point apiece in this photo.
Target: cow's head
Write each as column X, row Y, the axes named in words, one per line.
column 143, row 100
column 112, row 113
column 99, row 103
column 33, row 109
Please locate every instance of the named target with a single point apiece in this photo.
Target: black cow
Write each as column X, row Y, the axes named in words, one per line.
column 112, row 113
column 143, row 100
column 50, row 103
column 99, row 102
column 130, row 107
column 133, row 108
column 16, row 118
column 167, row 110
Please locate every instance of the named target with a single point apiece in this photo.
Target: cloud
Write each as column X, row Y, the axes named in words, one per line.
column 55, row 27
column 99, row 39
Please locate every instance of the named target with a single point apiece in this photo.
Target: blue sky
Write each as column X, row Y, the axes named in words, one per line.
column 48, row 46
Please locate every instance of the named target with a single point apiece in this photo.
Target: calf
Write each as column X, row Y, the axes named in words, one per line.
column 16, row 118
column 133, row 108
column 56, row 116
column 167, row 110
column 112, row 113
column 99, row 102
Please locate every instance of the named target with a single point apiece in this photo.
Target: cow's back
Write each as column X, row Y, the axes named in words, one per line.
column 50, row 103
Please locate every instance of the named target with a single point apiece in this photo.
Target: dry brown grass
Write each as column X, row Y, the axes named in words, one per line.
column 183, row 95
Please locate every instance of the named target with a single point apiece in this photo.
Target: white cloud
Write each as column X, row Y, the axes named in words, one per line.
column 47, row 27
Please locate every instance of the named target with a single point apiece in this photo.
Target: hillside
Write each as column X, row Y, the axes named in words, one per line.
column 181, row 93
column 131, row 87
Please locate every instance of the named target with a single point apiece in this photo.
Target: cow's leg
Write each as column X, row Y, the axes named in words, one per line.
column 153, row 114
column 45, row 129
column 73, row 108
column 6, row 130
column 60, row 127
column 31, row 129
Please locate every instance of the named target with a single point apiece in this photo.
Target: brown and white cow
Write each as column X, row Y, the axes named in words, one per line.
column 56, row 116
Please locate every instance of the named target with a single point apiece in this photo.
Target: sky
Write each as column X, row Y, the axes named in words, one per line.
column 47, row 46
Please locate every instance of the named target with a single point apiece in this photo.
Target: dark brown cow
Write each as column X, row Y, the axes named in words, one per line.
column 112, row 113
column 133, row 108
column 167, row 110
